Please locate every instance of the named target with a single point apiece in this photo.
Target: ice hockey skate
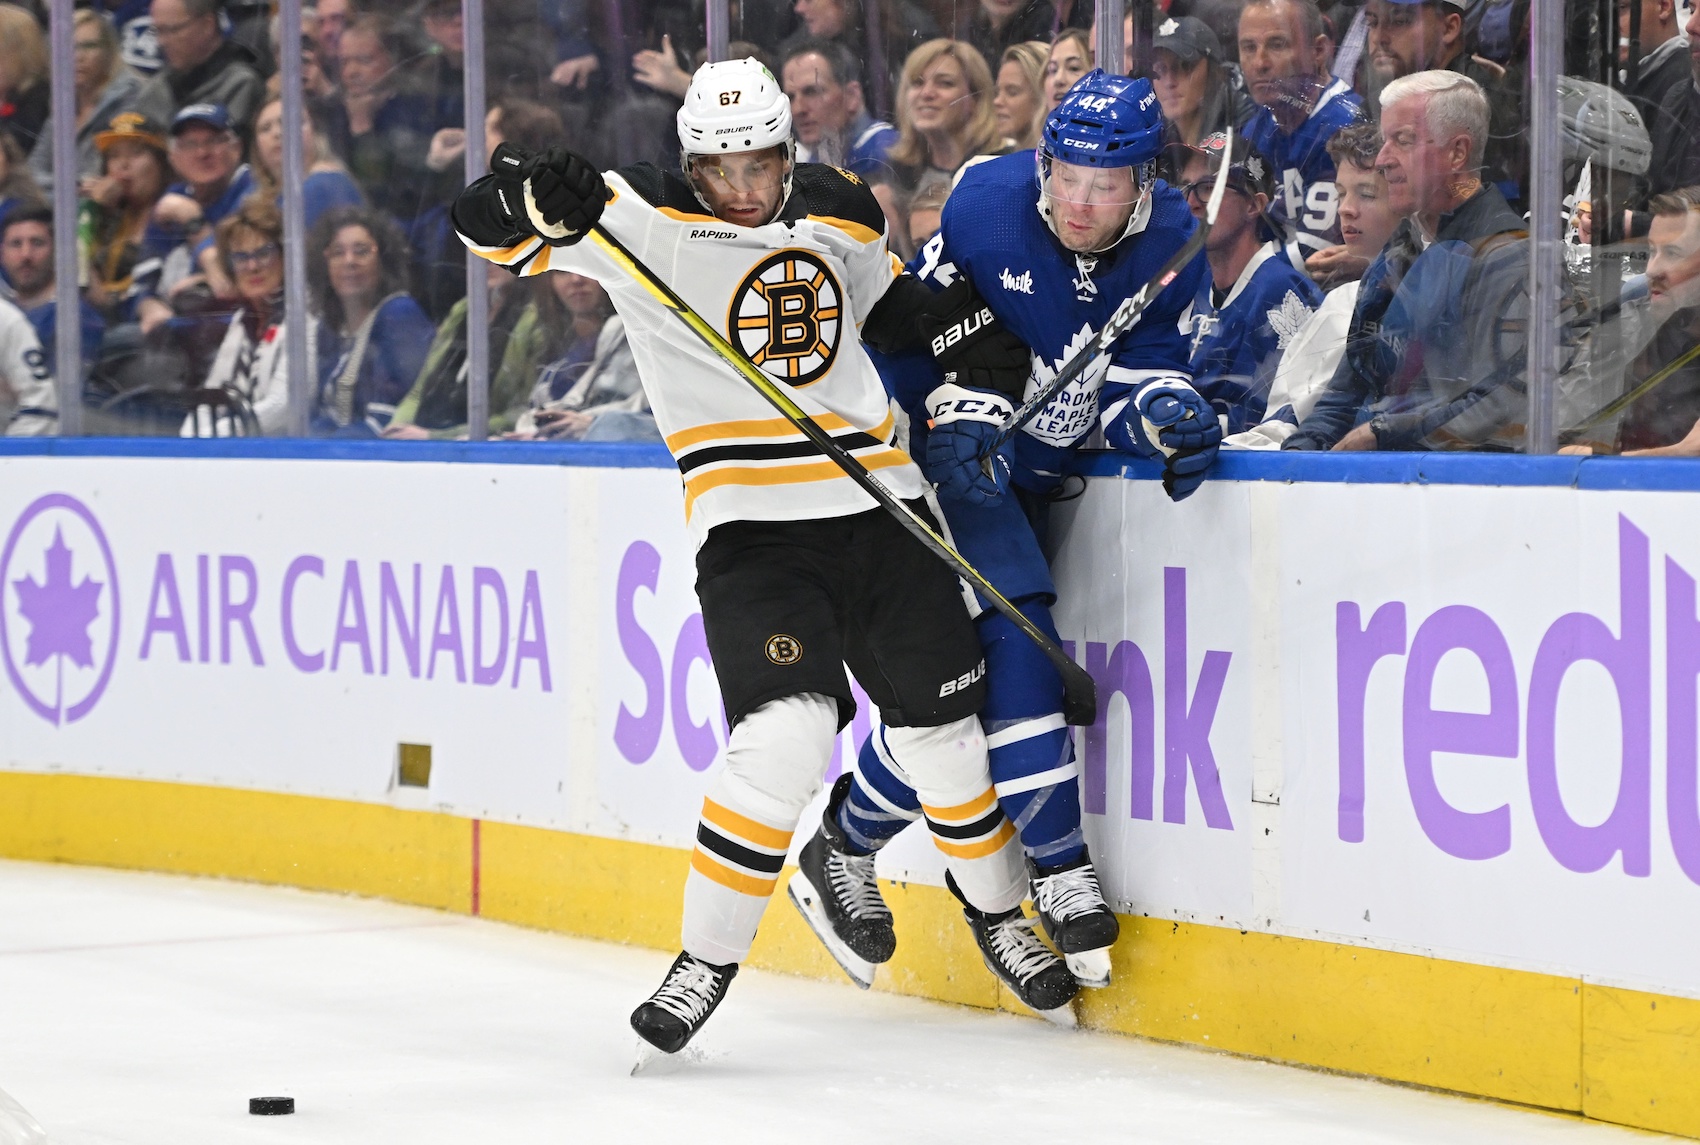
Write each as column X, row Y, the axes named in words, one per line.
column 676, row 1011
column 839, row 898
column 1078, row 922
column 1020, row 961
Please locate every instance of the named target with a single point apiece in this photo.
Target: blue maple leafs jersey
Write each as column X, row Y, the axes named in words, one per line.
column 1056, row 301
column 1235, row 347
column 1305, row 196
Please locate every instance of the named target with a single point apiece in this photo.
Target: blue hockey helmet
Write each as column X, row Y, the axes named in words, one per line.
column 1105, row 121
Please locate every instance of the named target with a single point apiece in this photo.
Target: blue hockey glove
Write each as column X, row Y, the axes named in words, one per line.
column 964, row 423
column 1183, row 427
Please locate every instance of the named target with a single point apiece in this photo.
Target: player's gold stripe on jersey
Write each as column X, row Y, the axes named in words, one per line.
column 963, row 812
column 823, row 470
column 509, row 254
column 980, row 849
column 688, row 217
column 743, row 827
column 767, row 427
column 731, row 879
column 855, row 230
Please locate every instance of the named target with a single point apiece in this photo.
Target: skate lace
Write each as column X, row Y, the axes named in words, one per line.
column 688, row 992
column 1069, row 894
column 1016, row 946
column 853, row 885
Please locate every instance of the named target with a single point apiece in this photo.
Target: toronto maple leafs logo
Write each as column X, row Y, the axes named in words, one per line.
column 1288, row 318
column 1072, row 413
column 58, row 608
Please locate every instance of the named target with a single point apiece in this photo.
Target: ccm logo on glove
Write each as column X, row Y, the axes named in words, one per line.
column 951, row 402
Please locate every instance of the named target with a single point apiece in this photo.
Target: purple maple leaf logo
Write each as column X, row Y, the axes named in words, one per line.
column 59, row 612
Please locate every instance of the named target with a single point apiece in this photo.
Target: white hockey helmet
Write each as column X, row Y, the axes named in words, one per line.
column 733, row 106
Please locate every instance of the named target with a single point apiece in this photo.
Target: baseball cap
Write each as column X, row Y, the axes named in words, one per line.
column 212, row 115
column 130, row 125
column 1189, row 38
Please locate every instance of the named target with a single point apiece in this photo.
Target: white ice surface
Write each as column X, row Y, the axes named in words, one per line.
column 147, row 1009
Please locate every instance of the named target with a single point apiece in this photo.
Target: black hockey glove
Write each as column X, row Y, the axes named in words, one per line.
column 967, row 340
column 555, row 194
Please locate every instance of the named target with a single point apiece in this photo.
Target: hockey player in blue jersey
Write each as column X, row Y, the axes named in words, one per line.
column 1285, row 54
column 1253, row 300
column 1045, row 274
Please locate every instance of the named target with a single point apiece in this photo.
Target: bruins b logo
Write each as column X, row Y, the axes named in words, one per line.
column 784, row 650
column 787, row 315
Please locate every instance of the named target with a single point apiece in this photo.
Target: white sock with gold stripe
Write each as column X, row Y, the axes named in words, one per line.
column 774, row 765
column 947, row 765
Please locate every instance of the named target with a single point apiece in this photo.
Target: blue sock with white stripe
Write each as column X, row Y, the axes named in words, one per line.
column 1034, row 770
column 881, row 802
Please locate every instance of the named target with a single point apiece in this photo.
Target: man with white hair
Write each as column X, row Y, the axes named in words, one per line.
column 1435, row 354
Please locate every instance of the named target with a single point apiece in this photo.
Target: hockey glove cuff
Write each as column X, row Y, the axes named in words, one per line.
column 967, row 340
column 555, row 194
column 965, row 422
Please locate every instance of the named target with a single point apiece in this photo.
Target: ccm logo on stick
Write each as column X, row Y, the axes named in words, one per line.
column 951, row 687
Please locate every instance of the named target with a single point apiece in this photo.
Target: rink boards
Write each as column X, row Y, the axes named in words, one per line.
column 1394, row 772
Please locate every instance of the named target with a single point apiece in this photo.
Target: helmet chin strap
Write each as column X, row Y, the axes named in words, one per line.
column 1146, row 174
column 790, row 146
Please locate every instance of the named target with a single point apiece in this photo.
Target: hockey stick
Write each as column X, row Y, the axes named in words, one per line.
column 1080, row 694
column 1125, row 315
column 1619, row 404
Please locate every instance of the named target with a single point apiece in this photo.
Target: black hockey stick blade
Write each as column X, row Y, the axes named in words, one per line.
column 1080, row 694
column 1125, row 315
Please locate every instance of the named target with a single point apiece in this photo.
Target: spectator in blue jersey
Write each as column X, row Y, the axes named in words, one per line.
column 26, row 255
column 1436, row 354
column 1285, row 54
column 206, row 156
column 104, row 88
column 1310, row 357
column 1198, row 96
column 829, row 116
column 201, row 66
column 137, row 46
column 327, row 184
column 372, row 335
column 1254, row 301
column 1409, row 36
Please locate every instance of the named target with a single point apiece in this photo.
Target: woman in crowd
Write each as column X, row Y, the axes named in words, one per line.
column 528, row 327
column 327, row 184
column 134, row 174
column 1020, row 93
column 592, row 391
column 17, row 186
column 371, row 334
column 944, row 116
column 104, row 86
column 1070, row 58
column 1193, row 87
column 24, row 96
column 251, row 361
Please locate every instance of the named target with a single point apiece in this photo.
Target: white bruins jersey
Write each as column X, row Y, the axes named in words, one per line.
column 793, row 295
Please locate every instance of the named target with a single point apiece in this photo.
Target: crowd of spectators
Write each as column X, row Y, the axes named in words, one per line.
column 1367, row 283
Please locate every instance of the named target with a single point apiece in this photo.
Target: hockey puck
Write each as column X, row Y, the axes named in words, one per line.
column 271, row 1106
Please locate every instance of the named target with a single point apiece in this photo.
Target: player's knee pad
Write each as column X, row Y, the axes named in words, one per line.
column 778, row 755
column 945, row 764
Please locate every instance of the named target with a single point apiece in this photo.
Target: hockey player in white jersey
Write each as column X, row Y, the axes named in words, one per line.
column 799, row 573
